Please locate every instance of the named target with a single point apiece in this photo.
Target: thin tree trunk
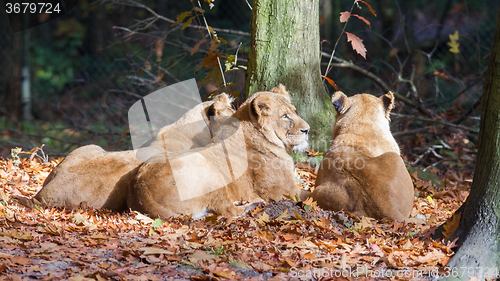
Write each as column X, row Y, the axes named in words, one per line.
column 285, row 49
column 479, row 230
column 12, row 59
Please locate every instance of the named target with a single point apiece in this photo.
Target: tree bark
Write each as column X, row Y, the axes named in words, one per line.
column 285, row 49
column 479, row 230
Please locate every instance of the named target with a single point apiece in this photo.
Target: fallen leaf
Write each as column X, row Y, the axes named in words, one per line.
column 263, row 219
column 78, row 219
column 451, row 225
column 201, row 256
column 154, row 251
column 363, row 223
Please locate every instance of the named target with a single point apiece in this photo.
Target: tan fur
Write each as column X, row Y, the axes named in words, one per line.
column 362, row 172
column 271, row 129
column 101, row 179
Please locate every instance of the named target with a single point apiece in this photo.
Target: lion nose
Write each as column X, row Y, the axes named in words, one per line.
column 305, row 131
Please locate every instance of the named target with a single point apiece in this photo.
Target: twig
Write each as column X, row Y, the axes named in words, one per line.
column 410, row 132
column 336, row 43
column 467, row 113
column 435, row 121
column 138, row 5
column 376, row 79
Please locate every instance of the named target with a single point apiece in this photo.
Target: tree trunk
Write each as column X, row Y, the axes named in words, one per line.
column 285, row 49
column 12, row 59
column 479, row 230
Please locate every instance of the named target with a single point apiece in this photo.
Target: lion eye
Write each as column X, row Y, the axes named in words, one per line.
column 285, row 116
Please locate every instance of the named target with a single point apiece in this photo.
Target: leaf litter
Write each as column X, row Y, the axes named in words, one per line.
column 280, row 240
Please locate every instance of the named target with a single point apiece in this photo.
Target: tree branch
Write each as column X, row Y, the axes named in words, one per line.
column 435, row 121
column 376, row 79
column 139, row 5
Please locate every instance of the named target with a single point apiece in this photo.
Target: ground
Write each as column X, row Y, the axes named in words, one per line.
column 283, row 240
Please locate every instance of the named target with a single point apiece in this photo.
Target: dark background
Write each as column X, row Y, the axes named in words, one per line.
column 85, row 72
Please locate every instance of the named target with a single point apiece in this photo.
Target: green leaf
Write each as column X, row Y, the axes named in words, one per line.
column 157, row 223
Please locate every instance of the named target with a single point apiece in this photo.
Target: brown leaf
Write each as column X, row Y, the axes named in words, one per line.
column 369, row 7
column 197, row 46
column 154, row 251
column 20, row 260
column 263, row 219
column 223, row 272
column 357, row 44
column 451, row 225
column 344, row 16
column 159, row 49
column 202, row 256
column 363, row 19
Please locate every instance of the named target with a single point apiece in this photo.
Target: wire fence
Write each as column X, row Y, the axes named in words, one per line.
column 84, row 74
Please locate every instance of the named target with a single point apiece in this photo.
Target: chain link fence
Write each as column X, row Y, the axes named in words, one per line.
column 85, row 72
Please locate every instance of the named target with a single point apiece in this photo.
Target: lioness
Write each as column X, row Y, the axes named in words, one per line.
column 100, row 178
column 362, row 172
column 270, row 129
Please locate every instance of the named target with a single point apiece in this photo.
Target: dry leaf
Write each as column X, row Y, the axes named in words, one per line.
column 369, row 7
column 154, row 251
column 357, row 44
column 363, row 19
column 344, row 16
column 451, row 225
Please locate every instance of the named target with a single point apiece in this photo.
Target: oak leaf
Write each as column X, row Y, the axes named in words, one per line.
column 263, row 219
column 451, row 225
column 357, row 44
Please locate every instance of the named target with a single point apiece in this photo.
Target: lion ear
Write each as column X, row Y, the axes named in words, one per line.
column 224, row 98
column 280, row 89
column 340, row 102
column 388, row 102
column 261, row 106
column 215, row 109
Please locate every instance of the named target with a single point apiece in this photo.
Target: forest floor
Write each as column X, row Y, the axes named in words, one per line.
column 268, row 244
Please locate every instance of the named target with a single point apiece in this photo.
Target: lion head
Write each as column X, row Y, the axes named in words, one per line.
column 363, row 120
column 275, row 117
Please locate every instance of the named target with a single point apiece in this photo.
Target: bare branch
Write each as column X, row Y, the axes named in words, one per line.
column 142, row 6
column 435, row 121
column 375, row 78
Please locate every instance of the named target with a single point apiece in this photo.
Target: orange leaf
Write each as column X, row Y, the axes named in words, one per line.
column 451, row 225
column 344, row 16
column 369, row 7
column 363, row 19
column 159, row 49
column 357, row 44
column 331, row 82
